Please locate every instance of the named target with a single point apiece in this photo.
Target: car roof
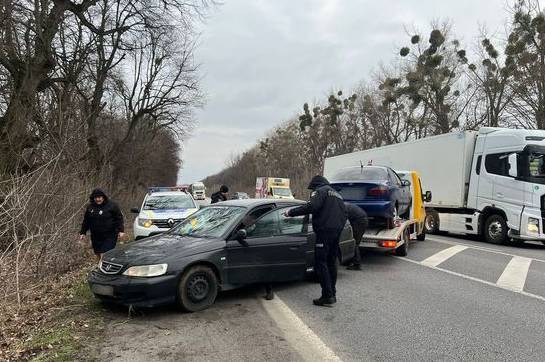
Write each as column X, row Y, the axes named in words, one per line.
column 250, row 203
column 169, row 193
column 366, row 166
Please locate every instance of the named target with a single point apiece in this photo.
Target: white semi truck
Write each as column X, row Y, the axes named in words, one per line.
column 490, row 182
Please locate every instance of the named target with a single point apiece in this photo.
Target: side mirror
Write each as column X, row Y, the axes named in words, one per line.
column 135, row 210
column 405, row 183
column 240, row 236
column 427, row 196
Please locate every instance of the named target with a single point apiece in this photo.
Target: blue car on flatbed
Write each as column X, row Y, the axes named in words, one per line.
column 376, row 189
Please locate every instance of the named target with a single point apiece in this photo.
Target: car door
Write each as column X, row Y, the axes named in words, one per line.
column 275, row 251
column 347, row 243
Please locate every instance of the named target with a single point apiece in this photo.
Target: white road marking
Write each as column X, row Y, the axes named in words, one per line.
column 297, row 333
column 473, row 279
column 514, row 274
column 443, row 255
column 457, row 242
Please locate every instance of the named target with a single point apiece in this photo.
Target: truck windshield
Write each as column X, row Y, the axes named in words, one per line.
column 169, row 202
column 198, row 187
column 536, row 164
column 210, row 222
column 277, row 191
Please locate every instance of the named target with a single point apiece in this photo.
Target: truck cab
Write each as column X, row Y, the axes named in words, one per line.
column 507, row 184
column 198, row 190
column 273, row 188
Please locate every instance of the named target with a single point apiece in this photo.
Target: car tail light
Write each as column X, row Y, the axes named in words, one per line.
column 377, row 191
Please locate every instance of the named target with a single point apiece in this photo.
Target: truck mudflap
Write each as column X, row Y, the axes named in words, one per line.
column 389, row 238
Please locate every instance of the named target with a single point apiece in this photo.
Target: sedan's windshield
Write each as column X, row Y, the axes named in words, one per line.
column 281, row 192
column 169, row 202
column 366, row 173
column 212, row 221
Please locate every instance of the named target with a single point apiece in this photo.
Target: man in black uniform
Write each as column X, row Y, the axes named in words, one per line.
column 105, row 221
column 328, row 220
column 358, row 222
column 220, row 195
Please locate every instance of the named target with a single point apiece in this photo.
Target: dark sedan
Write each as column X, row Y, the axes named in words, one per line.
column 220, row 247
column 376, row 189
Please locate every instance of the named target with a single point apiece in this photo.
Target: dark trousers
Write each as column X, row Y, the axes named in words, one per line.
column 358, row 232
column 326, row 253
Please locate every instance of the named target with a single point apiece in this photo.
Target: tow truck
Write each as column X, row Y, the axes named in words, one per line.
column 397, row 239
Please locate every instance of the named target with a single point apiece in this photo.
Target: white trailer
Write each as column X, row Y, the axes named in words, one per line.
column 490, row 182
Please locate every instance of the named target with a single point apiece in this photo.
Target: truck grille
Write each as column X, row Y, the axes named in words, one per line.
column 108, row 267
column 167, row 223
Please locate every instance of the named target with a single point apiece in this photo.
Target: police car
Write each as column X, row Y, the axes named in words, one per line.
column 162, row 208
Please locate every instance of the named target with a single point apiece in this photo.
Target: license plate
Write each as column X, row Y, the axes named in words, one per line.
column 103, row 289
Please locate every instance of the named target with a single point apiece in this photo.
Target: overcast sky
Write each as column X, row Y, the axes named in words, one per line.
column 262, row 59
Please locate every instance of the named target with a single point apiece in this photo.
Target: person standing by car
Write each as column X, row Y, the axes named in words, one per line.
column 104, row 220
column 358, row 222
column 328, row 219
column 220, row 195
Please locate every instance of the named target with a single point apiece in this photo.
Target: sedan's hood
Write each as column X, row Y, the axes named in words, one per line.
column 160, row 249
column 166, row 214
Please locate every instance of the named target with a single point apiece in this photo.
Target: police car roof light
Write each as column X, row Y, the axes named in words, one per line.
column 163, row 189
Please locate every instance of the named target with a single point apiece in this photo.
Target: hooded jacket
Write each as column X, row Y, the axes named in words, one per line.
column 104, row 221
column 326, row 206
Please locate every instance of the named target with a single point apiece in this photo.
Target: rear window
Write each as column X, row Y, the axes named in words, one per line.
column 361, row 174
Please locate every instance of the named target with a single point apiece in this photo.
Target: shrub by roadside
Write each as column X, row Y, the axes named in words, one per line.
column 61, row 323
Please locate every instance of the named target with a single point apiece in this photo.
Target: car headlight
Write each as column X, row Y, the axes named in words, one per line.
column 145, row 222
column 146, row 270
column 533, row 225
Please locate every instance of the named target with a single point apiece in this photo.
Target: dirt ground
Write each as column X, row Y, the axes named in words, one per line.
column 236, row 328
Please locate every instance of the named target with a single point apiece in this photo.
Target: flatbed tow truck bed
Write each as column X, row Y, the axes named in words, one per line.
column 396, row 239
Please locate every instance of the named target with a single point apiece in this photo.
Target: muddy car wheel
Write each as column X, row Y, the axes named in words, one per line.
column 198, row 288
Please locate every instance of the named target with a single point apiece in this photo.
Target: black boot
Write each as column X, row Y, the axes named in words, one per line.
column 325, row 302
column 354, row 267
column 269, row 295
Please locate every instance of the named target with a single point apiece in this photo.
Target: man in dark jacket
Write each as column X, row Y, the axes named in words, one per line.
column 358, row 222
column 328, row 220
column 220, row 196
column 105, row 221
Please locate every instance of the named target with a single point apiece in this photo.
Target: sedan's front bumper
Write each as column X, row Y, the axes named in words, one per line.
column 139, row 292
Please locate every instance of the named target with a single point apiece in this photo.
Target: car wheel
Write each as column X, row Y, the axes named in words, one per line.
column 495, row 229
column 403, row 250
column 407, row 214
column 197, row 289
column 431, row 223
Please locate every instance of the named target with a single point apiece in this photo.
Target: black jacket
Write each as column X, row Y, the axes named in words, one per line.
column 356, row 215
column 325, row 205
column 217, row 197
column 104, row 221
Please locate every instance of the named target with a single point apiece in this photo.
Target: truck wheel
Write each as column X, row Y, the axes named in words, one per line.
column 495, row 229
column 403, row 250
column 197, row 289
column 431, row 223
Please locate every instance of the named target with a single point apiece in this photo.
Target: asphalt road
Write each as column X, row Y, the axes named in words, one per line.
column 450, row 299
